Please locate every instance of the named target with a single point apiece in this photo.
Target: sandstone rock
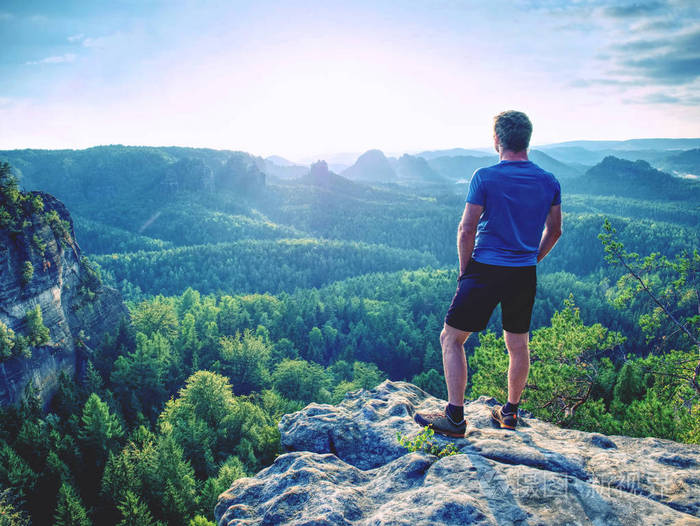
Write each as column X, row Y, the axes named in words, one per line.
column 56, row 288
column 345, row 466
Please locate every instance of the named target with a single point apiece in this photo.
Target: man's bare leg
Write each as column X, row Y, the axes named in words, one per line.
column 454, row 363
column 519, row 366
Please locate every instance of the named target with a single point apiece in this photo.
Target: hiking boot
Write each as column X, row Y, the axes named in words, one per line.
column 442, row 424
column 505, row 420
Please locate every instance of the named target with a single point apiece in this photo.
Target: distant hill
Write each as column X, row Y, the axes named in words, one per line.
column 430, row 167
column 333, row 159
column 631, row 144
column 412, row 169
column 282, row 168
column 82, row 177
column 462, row 167
column 280, row 161
column 453, row 152
column 576, row 155
column 589, row 153
column 573, row 154
column 371, row 166
column 136, row 198
column 638, row 179
column 683, row 163
column 559, row 169
column 127, row 194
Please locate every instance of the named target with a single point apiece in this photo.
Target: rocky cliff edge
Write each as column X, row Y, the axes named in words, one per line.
column 345, row 466
column 76, row 308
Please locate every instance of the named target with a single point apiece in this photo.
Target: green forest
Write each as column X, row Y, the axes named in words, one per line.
column 253, row 292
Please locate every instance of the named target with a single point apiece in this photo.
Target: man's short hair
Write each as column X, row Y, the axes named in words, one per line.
column 513, row 129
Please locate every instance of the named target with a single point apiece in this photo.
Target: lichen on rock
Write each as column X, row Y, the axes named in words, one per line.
column 344, row 466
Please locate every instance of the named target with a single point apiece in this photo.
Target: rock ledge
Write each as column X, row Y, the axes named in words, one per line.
column 344, row 466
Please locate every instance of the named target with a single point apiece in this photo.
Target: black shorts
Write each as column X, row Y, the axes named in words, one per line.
column 483, row 286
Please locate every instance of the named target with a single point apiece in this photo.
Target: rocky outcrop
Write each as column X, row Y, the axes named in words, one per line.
column 240, row 175
column 75, row 307
column 187, row 175
column 345, row 466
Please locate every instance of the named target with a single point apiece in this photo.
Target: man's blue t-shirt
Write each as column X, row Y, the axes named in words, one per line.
column 516, row 196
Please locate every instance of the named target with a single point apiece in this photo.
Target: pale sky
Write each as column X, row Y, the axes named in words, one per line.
column 304, row 79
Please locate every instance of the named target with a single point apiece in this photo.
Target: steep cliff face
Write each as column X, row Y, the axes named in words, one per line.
column 345, row 466
column 41, row 265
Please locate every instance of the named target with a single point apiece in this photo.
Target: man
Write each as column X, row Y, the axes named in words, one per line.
column 511, row 220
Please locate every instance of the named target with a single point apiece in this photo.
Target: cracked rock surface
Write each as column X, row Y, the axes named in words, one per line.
column 345, row 466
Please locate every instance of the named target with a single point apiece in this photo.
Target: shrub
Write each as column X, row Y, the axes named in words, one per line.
column 424, row 442
column 27, row 272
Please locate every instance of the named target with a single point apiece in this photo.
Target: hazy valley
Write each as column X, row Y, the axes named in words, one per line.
column 256, row 285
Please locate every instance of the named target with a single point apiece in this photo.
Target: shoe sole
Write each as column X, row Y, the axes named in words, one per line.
column 440, row 431
column 447, row 433
column 500, row 423
column 504, row 426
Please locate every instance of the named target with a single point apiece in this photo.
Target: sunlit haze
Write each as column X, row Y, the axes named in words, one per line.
column 307, row 79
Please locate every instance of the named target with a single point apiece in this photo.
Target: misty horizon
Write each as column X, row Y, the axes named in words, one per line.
column 348, row 158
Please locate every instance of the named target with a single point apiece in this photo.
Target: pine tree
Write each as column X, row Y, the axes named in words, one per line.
column 244, row 361
column 93, row 379
column 299, row 380
column 135, row 513
column 10, row 513
column 15, row 473
column 27, row 272
column 629, row 385
column 69, row 509
column 198, row 520
column 316, row 345
column 7, row 341
column 177, row 490
column 37, row 332
column 432, row 382
column 99, row 429
column 231, row 470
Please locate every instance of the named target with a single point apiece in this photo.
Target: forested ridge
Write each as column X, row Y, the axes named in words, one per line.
column 251, row 296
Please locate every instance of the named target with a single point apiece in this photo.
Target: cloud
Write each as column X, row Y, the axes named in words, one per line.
column 684, row 99
column 652, row 44
column 671, row 60
column 660, row 98
column 638, row 9
column 96, row 42
column 668, row 68
column 57, row 59
column 6, row 16
column 686, row 42
column 637, row 46
column 602, row 81
column 579, row 83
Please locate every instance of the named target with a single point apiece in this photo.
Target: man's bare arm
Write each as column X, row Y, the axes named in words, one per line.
column 551, row 232
column 466, row 234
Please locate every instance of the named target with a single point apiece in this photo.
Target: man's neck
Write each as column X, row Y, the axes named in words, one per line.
column 508, row 155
